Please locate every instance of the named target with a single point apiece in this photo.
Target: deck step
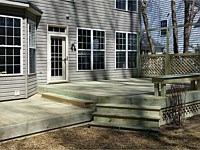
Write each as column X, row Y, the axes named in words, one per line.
column 121, row 126
column 69, row 100
column 128, row 109
column 127, row 116
column 129, row 106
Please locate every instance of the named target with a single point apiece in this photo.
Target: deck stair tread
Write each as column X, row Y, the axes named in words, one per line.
column 129, row 106
column 127, row 116
column 67, row 99
column 122, row 126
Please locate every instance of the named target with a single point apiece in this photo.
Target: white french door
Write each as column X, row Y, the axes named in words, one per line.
column 57, row 59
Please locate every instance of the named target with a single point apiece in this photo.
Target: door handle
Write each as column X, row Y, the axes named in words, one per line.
column 66, row 58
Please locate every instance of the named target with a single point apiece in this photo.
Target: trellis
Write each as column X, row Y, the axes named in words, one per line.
column 166, row 64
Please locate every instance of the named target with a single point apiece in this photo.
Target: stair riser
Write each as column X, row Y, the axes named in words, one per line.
column 67, row 101
column 128, row 111
column 139, row 102
column 128, row 122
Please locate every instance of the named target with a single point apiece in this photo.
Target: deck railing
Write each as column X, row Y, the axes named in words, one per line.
column 166, row 64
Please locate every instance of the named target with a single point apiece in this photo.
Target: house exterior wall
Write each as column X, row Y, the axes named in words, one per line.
column 159, row 10
column 18, row 86
column 95, row 14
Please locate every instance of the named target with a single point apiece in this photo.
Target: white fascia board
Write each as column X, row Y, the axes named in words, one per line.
column 14, row 4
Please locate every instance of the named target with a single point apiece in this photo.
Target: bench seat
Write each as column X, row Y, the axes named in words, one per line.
column 170, row 79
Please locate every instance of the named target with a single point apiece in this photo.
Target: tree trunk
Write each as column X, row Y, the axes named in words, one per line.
column 174, row 22
column 190, row 14
column 145, row 20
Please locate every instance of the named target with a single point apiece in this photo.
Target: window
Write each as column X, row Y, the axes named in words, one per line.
column 126, row 50
column 91, row 49
column 162, row 25
column 128, row 5
column 32, row 47
column 10, row 45
column 57, row 29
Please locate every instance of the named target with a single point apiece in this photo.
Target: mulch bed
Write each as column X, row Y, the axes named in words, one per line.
column 187, row 137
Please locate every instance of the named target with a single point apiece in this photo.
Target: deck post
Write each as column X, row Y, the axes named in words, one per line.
column 163, row 90
column 156, row 89
column 193, row 85
column 198, row 85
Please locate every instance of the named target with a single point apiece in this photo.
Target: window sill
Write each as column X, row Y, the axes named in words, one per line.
column 10, row 75
column 91, row 70
column 32, row 74
column 126, row 10
column 125, row 68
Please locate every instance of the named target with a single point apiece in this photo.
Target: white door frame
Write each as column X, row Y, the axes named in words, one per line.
column 49, row 57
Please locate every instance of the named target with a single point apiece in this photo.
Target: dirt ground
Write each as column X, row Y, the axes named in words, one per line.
column 188, row 137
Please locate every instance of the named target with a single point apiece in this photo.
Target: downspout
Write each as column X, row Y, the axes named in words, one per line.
column 26, row 56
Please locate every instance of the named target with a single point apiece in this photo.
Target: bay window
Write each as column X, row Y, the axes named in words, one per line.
column 10, row 45
column 126, row 50
column 91, row 49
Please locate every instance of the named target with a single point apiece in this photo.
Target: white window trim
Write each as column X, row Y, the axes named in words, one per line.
column 21, row 50
column 32, row 22
column 92, row 50
column 126, row 9
column 163, row 29
column 125, row 50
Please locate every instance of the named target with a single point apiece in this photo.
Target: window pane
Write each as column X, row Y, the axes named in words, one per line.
column 17, row 32
column 2, row 60
column 2, row 21
column 132, row 5
column 9, row 31
column 121, row 41
column 32, row 34
column 17, row 51
column 9, row 51
column 98, row 40
column 9, row 69
column 132, row 41
column 16, row 60
column 2, row 30
column 9, row 22
column 9, row 40
column 132, row 59
column 9, row 60
column 2, row 51
column 84, row 39
column 99, row 60
column 17, row 41
column 32, row 68
column 162, row 25
column 2, row 69
column 121, row 4
column 2, row 40
column 84, row 60
column 16, row 68
column 17, row 23
column 120, row 59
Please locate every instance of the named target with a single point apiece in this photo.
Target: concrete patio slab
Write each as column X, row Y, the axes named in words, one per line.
column 23, row 117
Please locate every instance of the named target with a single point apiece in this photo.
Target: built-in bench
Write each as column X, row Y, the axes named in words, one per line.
column 161, row 81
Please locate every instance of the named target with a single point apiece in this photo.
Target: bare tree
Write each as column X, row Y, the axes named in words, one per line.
column 174, row 22
column 146, row 23
column 190, row 13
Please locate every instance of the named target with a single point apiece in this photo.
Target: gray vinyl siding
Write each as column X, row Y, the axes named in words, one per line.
column 95, row 14
column 10, row 84
column 161, row 10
